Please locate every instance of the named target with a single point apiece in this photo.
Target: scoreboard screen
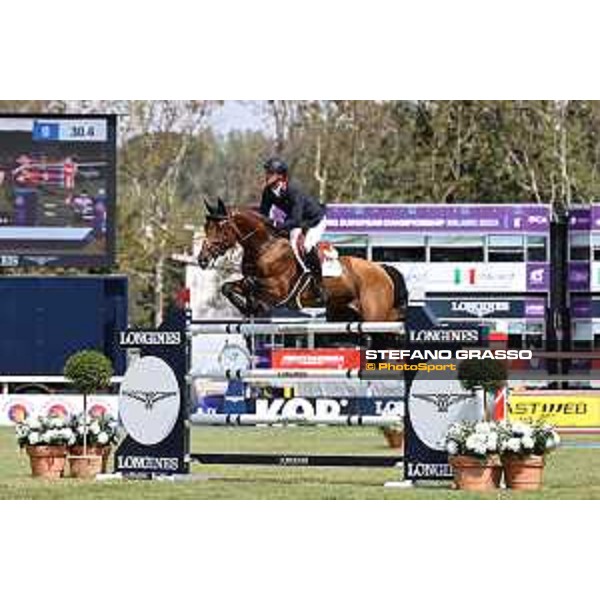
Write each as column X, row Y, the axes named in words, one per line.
column 57, row 190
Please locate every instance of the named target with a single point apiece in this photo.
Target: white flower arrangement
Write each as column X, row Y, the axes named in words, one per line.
column 101, row 431
column 527, row 438
column 45, row 431
column 479, row 439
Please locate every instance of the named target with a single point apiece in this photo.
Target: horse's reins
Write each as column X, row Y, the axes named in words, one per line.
column 242, row 238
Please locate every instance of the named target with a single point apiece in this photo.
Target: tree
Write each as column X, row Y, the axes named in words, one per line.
column 157, row 138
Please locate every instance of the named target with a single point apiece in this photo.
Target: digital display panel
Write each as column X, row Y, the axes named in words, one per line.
column 57, row 190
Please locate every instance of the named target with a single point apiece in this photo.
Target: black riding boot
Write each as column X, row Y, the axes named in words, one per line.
column 314, row 264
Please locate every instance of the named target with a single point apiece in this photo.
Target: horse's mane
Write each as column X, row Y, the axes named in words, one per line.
column 260, row 217
column 222, row 212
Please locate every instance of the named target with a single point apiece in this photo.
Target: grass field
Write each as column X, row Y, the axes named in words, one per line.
column 571, row 472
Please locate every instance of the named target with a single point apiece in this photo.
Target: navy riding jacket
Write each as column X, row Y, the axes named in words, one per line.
column 301, row 210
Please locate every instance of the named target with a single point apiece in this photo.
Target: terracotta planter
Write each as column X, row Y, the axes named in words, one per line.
column 523, row 472
column 86, row 465
column 476, row 474
column 47, row 462
column 395, row 439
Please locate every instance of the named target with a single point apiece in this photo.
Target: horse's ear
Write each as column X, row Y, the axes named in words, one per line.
column 210, row 209
column 222, row 209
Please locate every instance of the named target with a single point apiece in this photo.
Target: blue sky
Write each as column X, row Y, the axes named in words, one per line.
column 235, row 115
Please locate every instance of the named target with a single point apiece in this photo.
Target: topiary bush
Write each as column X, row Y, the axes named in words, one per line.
column 89, row 370
column 488, row 373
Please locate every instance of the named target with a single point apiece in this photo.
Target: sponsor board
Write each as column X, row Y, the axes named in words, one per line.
column 15, row 408
column 149, row 400
column 437, row 218
column 464, row 277
column 152, row 402
column 579, row 276
column 430, row 412
column 560, row 410
column 479, row 308
column 327, row 358
column 327, row 407
column 580, row 219
column 538, row 277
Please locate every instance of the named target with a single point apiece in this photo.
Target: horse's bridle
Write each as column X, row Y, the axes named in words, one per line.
column 241, row 238
column 218, row 248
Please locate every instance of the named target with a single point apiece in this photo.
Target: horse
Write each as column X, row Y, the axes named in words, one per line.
column 272, row 277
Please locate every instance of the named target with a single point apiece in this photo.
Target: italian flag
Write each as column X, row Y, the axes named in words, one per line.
column 499, row 407
column 470, row 276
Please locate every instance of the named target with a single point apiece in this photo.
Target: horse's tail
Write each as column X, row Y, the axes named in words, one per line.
column 400, row 289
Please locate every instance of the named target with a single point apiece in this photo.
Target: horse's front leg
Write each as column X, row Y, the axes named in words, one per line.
column 241, row 294
column 235, row 292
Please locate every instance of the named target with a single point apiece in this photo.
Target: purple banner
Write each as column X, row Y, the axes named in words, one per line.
column 580, row 219
column 595, row 216
column 535, row 308
column 581, row 308
column 538, row 277
column 585, row 219
column 442, row 218
column 579, row 276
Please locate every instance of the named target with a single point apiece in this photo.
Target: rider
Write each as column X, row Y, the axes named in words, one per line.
column 303, row 213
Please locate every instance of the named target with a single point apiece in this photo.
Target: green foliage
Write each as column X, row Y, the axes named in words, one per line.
column 89, row 370
column 489, row 374
column 340, row 150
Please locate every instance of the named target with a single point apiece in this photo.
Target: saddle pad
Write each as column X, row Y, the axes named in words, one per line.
column 330, row 260
column 331, row 267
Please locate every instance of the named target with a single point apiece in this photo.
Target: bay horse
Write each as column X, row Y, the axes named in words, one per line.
column 272, row 277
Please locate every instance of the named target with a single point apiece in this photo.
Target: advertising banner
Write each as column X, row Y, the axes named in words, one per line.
column 325, row 358
column 470, row 307
column 538, row 277
column 580, row 219
column 466, row 277
column 441, row 218
column 559, row 409
column 579, row 276
column 15, row 408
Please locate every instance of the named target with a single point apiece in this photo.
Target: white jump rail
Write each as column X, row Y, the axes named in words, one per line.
column 339, row 420
column 295, row 328
column 266, row 375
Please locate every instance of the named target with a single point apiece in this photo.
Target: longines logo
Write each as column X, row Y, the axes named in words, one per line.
column 444, row 335
column 149, row 338
column 443, row 401
column 147, row 463
column 479, row 308
column 40, row 260
column 149, row 400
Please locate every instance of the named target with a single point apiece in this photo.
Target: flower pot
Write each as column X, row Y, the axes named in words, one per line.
column 88, row 464
column 523, row 472
column 47, row 462
column 476, row 474
column 395, row 439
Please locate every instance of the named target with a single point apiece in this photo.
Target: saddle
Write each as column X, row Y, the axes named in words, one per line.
column 328, row 255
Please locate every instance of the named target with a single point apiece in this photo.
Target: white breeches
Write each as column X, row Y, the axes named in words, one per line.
column 311, row 239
